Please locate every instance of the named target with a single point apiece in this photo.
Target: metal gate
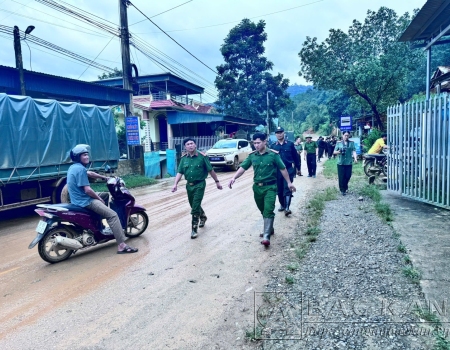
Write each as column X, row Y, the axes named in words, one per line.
column 419, row 154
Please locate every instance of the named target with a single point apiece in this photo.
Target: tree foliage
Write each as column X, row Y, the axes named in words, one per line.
column 367, row 64
column 244, row 79
column 117, row 73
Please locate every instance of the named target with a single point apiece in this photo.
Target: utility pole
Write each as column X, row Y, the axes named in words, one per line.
column 125, row 48
column 19, row 63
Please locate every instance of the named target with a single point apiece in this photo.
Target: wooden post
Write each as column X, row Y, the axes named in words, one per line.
column 19, row 63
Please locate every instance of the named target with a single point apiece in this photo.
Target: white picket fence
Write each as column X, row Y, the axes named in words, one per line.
column 419, row 155
column 203, row 142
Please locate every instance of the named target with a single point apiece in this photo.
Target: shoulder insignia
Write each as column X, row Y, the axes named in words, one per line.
column 274, row 151
column 202, row 153
column 253, row 152
column 183, row 155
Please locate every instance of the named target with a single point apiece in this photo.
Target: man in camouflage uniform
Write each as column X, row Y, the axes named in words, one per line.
column 265, row 163
column 195, row 167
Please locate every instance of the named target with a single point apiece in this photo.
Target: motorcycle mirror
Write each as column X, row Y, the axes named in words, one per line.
column 107, row 168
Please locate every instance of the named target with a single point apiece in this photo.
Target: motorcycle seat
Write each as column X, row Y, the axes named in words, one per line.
column 375, row 156
column 78, row 209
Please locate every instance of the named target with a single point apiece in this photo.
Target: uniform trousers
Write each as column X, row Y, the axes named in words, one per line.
column 195, row 196
column 344, row 175
column 283, row 189
column 265, row 197
column 311, row 163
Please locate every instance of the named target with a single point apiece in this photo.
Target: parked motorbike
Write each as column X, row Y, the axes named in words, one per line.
column 66, row 228
column 375, row 164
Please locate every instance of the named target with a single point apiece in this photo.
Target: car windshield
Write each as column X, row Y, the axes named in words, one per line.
column 225, row 144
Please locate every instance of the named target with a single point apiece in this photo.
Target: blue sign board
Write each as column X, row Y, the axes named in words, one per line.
column 357, row 142
column 346, row 123
column 132, row 129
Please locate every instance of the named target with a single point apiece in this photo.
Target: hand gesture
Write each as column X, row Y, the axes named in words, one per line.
column 231, row 183
column 174, row 188
column 292, row 187
column 219, row 186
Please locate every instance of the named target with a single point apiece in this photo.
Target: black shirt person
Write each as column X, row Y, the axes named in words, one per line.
column 289, row 155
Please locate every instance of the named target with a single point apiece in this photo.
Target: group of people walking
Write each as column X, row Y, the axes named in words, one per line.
column 274, row 170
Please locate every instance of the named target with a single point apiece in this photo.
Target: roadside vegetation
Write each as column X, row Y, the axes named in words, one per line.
column 131, row 181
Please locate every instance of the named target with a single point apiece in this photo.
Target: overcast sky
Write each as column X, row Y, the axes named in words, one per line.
column 199, row 25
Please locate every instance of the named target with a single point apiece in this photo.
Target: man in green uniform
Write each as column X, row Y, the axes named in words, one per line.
column 195, row 167
column 265, row 163
column 310, row 155
column 347, row 154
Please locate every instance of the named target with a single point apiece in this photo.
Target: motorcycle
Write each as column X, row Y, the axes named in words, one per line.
column 66, row 228
column 375, row 164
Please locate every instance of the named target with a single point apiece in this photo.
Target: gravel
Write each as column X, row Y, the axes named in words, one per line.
column 348, row 292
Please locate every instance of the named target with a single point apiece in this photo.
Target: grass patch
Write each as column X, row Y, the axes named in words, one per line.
column 330, row 169
column 401, row 248
column 407, row 260
column 312, row 231
column 131, row 181
column 384, row 211
column 312, row 239
column 253, row 334
column 302, row 250
column 289, row 280
column 370, row 191
column 292, row 267
column 412, row 274
column 441, row 342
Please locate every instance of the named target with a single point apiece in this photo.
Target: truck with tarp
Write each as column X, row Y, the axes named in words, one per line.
column 35, row 143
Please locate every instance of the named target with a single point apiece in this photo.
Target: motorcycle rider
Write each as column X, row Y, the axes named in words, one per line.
column 83, row 195
column 379, row 145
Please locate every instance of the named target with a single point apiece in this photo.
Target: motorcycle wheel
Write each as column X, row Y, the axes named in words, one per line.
column 367, row 166
column 49, row 252
column 137, row 224
column 384, row 169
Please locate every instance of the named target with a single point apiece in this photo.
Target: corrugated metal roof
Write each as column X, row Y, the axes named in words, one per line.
column 433, row 17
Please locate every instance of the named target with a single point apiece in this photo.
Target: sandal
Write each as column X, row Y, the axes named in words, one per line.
column 127, row 250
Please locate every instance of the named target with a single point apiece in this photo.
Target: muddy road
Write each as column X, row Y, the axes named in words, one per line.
column 175, row 293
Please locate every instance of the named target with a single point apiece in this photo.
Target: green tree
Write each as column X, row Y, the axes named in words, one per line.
column 117, row 73
column 244, row 79
column 368, row 64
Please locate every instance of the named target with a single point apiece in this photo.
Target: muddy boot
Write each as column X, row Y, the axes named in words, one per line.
column 287, row 202
column 194, row 226
column 281, row 200
column 203, row 219
column 268, row 227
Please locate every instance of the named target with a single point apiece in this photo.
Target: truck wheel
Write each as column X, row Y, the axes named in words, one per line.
column 65, row 198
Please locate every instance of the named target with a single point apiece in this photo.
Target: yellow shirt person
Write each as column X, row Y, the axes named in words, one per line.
column 378, row 146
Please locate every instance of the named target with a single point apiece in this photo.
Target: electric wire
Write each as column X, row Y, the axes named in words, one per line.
column 96, row 56
column 190, row 53
column 151, row 54
column 184, row 3
column 231, row 22
column 53, row 47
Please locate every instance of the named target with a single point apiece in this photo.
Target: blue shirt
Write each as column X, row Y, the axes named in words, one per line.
column 77, row 178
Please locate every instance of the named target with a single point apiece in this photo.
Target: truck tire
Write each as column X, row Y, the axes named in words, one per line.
column 65, row 198
column 58, row 189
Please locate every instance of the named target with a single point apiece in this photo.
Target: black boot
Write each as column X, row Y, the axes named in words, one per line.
column 287, row 211
column 281, row 200
column 194, row 226
column 268, row 227
column 203, row 219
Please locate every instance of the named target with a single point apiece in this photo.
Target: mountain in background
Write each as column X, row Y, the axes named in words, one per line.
column 298, row 89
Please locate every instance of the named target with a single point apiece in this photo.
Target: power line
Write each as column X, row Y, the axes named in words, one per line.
column 174, row 39
column 184, row 3
column 96, row 57
column 222, row 24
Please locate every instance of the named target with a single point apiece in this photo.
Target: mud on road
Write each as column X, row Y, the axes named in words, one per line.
column 176, row 293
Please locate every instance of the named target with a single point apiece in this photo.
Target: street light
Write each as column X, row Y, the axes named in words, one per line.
column 28, row 31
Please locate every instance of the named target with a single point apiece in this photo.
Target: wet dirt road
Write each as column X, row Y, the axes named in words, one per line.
column 175, row 293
